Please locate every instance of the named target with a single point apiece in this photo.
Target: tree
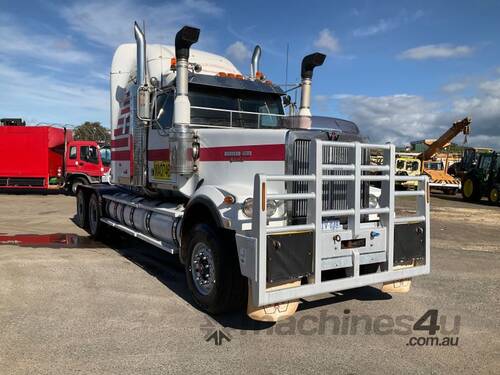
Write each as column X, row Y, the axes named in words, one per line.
column 92, row 131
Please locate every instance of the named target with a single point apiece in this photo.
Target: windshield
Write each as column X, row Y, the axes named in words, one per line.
column 105, row 156
column 224, row 107
column 435, row 165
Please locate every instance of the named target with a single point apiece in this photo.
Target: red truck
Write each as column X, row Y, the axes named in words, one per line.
column 47, row 157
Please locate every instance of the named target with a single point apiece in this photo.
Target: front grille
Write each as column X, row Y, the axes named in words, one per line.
column 335, row 193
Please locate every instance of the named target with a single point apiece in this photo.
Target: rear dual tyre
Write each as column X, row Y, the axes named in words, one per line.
column 88, row 214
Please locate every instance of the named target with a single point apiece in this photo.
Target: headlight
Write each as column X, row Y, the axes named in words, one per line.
column 373, row 201
column 247, row 208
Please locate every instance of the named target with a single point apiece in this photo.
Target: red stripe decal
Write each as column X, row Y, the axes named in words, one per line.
column 121, row 155
column 125, row 110
column 159, row 155
column 118, row 132
column 121, row 121
column 122, row 142
column 275, row 152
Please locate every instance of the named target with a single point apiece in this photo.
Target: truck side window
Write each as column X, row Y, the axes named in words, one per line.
column 164, row 111
column 89, row 153
column 72, row 152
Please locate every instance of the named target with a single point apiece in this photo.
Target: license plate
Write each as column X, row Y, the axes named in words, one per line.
column 331, row 225
column 161, row 170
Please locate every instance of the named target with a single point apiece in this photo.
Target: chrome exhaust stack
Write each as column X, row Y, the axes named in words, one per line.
column 140, row 41
column 254, row 66
column 181, row 138
column 139, row 168
column 308, row 64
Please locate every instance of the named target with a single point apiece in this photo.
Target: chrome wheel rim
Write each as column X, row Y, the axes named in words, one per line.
column 203, row 268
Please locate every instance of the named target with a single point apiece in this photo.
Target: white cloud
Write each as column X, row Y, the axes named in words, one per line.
column 110, row 23
column 238, row 52
column 387, row 24
column 327, row 42
column 436, row 51
column 454, row 87
column 403, row 118
column 395, row 118
column 16, row 41
column 380, row 27
column 491, row 88
column 49, row 98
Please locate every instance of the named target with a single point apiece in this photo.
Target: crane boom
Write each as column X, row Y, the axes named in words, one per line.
column 452, row 132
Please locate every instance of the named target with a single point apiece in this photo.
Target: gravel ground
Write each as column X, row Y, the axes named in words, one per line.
column 72, row 305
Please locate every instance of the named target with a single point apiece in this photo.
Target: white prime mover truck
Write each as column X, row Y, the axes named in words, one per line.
column 256, row 203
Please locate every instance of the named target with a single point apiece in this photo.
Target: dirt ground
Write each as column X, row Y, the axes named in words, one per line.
column 71, row 305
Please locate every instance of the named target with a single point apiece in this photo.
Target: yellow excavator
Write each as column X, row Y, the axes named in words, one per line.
column 436, row 170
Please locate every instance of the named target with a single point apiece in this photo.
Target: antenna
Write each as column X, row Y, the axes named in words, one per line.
column 286, row 67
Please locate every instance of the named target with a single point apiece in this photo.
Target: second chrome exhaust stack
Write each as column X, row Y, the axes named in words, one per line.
column 254, row 66
column 308, row 64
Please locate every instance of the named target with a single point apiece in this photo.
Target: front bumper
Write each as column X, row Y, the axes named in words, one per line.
column 389, row 241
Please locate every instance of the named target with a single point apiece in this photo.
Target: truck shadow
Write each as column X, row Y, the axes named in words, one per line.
column 167, row 269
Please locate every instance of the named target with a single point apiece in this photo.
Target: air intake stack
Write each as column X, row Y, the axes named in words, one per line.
column 181, row 138
column 308, row 64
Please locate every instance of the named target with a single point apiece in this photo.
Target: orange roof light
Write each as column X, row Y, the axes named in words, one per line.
column 222, row 74
column 259, row 75
column 173, row 63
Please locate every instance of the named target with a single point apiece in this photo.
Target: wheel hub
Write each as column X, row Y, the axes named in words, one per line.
column 203, row 268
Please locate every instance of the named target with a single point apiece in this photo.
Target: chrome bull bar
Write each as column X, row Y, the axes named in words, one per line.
column 253, row 250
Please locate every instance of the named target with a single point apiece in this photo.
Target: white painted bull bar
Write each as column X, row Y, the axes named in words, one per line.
column 261, row 296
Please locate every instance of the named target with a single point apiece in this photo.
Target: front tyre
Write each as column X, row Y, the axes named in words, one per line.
column 212, row 270
column 471, row 190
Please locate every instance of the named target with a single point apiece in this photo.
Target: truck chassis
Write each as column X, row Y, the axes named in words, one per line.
column 399, row 245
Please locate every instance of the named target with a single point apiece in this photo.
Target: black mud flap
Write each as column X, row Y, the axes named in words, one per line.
column 409, row 244
column 289, row 256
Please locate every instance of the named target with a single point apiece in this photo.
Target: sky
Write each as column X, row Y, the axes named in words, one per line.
column 402, row 70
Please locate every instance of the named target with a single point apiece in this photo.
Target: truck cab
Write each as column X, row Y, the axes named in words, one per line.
column 86, row 163
column 256, row 203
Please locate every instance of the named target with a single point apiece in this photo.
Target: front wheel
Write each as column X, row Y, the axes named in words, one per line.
column 212, row 270
column 471, row 190
column 73, row 184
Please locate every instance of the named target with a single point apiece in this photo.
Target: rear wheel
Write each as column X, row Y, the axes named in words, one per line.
column 212, row 270
column 94, row 217
column 81, row 210
column 471, row 191
column 493, row 195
